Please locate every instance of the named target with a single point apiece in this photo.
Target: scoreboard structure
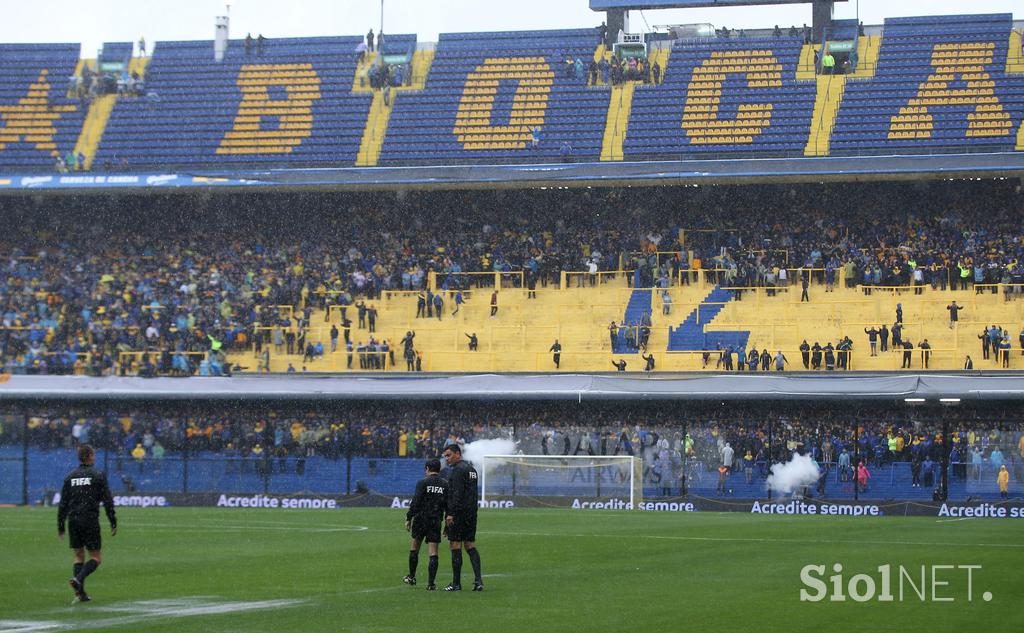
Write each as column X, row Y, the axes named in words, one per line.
column 617, row 10
column 607, row 5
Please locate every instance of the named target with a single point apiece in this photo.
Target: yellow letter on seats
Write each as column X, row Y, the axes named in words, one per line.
column 473, row 126
column 33, row 119
column 704, row 93
column 295, row 113
column 966, row 62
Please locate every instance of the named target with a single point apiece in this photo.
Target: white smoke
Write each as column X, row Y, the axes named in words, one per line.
column 801, row 471
column 474, row 451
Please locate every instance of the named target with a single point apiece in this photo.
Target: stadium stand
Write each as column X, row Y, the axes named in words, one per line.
column 489, row 94
column 722, row 96
column 941, row 84
column 291, row 103
column 704, row 248
column 39, row 121
column 280, row 450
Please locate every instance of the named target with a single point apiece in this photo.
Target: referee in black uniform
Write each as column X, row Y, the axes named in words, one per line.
column 83, row 491
column 461, row 518
column 423, row 521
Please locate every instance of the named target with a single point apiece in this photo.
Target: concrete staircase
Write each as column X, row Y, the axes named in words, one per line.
column 620, row 103
column 93, row 127
column 826, row 105
column 98, row 116
column 690, row 334
column 519, row 336
column 380, row 113
column 1014, row 54
column 805, row 68
column 375, row 130
column 639, row 304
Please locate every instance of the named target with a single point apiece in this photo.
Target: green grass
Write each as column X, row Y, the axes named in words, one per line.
column 545, row 570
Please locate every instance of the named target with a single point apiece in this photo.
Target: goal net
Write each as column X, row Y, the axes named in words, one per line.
column 563, row 479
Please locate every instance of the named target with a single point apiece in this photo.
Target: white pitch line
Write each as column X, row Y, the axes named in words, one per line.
column 140, row 612
column 753, row 540
column 953, row 520
column 222, row 527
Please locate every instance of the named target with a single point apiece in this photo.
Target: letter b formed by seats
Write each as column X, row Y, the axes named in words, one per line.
column 253, row 131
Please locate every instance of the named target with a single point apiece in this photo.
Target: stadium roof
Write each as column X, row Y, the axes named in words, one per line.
column 683, row 172
column 312, row 387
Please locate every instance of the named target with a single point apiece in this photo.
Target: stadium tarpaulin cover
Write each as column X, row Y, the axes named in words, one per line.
column 314, row 387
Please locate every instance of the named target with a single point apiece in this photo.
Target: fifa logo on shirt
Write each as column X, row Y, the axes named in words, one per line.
column 436, row 490
column 81, row 481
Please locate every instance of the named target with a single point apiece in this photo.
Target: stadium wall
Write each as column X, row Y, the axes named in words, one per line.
column 975, row 386
column 786, row 507
column 738, row 171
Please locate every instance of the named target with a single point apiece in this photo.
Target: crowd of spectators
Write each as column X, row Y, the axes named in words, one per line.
column 745, row 438
column 87, row 279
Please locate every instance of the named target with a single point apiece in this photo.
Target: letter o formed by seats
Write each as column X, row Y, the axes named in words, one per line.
column 704, row 93
column 294, row 114
column 473, row 126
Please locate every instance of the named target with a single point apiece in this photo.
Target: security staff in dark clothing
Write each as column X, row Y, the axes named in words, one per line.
column 816, row 356
column 908, row 348
column 985, row 341
column 556, row 353
column 649, row 362
column 805, row 354
column 873, row 339
column 424, row 518
column 461, row 518
column 80, row 497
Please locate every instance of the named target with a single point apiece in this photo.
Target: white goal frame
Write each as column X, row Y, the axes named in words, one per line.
column 635, row 470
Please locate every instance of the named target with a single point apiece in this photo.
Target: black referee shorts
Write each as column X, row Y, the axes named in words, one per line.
column 463, row 528
column 84, row 534
column 426, row 530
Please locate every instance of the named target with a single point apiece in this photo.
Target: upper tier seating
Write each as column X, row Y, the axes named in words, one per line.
column 722, row 96
column 940, row 85
column 37, row 119
column 291, row 105
column 485, row 92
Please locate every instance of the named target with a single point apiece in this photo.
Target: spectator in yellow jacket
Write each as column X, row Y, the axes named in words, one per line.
column 1004, row 481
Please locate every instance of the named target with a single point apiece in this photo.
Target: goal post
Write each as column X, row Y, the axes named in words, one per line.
column 558, row 479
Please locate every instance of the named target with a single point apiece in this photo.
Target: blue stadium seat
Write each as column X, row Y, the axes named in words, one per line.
column 482, row 73
column 292, row 105
column 673, row 119
column 971, row 103
column 37, row 119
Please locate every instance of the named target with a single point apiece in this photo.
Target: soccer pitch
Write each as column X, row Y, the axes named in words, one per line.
column 190, row 569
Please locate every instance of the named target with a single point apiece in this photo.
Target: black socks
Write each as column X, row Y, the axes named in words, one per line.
column 432, row 569
column 457, row 567
column 89, row 567
column 78, row 569
column 474, row 558
column 414, row 559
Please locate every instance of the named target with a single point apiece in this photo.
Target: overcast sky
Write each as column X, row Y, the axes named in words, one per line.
column 92, row 22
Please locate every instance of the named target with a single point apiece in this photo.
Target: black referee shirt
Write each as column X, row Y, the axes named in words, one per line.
column 430, row 500
column 84, row 489
column 462, row 496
